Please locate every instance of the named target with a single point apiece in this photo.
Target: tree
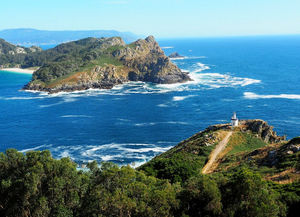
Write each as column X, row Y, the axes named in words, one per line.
column 201, row 197
column 124, row 191
column 246, row 194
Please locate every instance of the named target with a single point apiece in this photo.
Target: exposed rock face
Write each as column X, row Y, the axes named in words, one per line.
column 293, row 145
column 262, row 129
column 110, row 62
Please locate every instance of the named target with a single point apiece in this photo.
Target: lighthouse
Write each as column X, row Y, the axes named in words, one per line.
column 234, row 120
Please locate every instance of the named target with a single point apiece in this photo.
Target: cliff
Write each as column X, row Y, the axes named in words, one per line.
column 102, row 63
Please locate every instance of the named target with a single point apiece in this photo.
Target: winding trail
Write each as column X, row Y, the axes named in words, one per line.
column 213, row 156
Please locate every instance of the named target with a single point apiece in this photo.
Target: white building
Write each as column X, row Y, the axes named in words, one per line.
column 234, row 120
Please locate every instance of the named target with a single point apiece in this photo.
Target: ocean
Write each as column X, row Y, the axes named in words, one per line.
column 257, row 77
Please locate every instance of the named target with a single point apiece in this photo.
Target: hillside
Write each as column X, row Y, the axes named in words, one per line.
column 12, row 55
column 253, row 144
column 29, row 37
column 101, row 63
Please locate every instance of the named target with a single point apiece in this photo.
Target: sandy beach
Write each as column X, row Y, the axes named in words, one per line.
column 18, row 70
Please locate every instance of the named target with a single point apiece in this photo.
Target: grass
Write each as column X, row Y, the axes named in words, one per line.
column 113, row 49
column 104, row 59
column 244, row 142
column 101, row 61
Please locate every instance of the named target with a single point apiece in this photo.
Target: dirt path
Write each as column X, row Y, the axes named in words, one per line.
column 213, row 156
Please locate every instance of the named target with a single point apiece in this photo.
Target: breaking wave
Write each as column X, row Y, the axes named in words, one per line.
column 134, row 154
column 157, row 123
column 250, row 95
column 200, row 80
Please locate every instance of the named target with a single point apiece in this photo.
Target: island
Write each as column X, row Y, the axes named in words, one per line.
column 175, row 55
column 93, row 63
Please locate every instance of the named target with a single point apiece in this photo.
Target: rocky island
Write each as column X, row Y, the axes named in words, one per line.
column 101, row 63
column 175, row 55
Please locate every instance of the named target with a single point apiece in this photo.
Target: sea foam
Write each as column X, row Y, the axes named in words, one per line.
column 250, row 95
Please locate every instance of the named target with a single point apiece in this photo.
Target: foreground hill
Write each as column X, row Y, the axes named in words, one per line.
column 43, row 37
column 253, row 144
column 255, row 174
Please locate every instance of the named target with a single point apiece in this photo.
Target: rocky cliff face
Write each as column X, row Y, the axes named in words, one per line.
column 103, row 63
column 262, row 129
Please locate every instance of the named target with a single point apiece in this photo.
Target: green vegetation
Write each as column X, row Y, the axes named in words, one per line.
column 64, row 60
column 176, row 165
column 35, row 184
column 253, row 180
column 244, row 142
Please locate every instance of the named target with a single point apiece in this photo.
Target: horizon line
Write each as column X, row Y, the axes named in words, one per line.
column 163, row 37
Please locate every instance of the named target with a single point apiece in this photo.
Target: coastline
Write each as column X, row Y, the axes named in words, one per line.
column 19, row 70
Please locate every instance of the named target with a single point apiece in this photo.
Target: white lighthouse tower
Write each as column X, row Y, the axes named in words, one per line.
column 234, row 120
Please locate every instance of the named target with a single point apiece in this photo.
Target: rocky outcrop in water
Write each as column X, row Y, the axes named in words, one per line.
column 175, row 55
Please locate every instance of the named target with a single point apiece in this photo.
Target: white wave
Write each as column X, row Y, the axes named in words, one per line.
column 167, row 47
column 157, row 123
column 20, row 98
column 163, row 105
column 123, row 149
column 76, row 116
column 144, row 150
column 180, row 98
column 65, row 154
column 139, row 163
column 34, row 91
column 123, row 120
column 111, row 157
column 32, row 149
column 217, row 80
column 202, row 67
column 134, row 153
column 188, row 57
column 250, row 95
column 178, row 58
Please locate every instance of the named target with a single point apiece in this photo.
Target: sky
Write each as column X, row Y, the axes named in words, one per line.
column 161, row 18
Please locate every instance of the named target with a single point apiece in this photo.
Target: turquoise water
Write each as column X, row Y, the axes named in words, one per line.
column 258, row 77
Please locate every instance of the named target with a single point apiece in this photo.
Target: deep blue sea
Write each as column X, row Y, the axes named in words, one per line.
column 258, row 77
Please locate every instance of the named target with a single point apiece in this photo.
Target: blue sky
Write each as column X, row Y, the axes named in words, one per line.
column 162, row 18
